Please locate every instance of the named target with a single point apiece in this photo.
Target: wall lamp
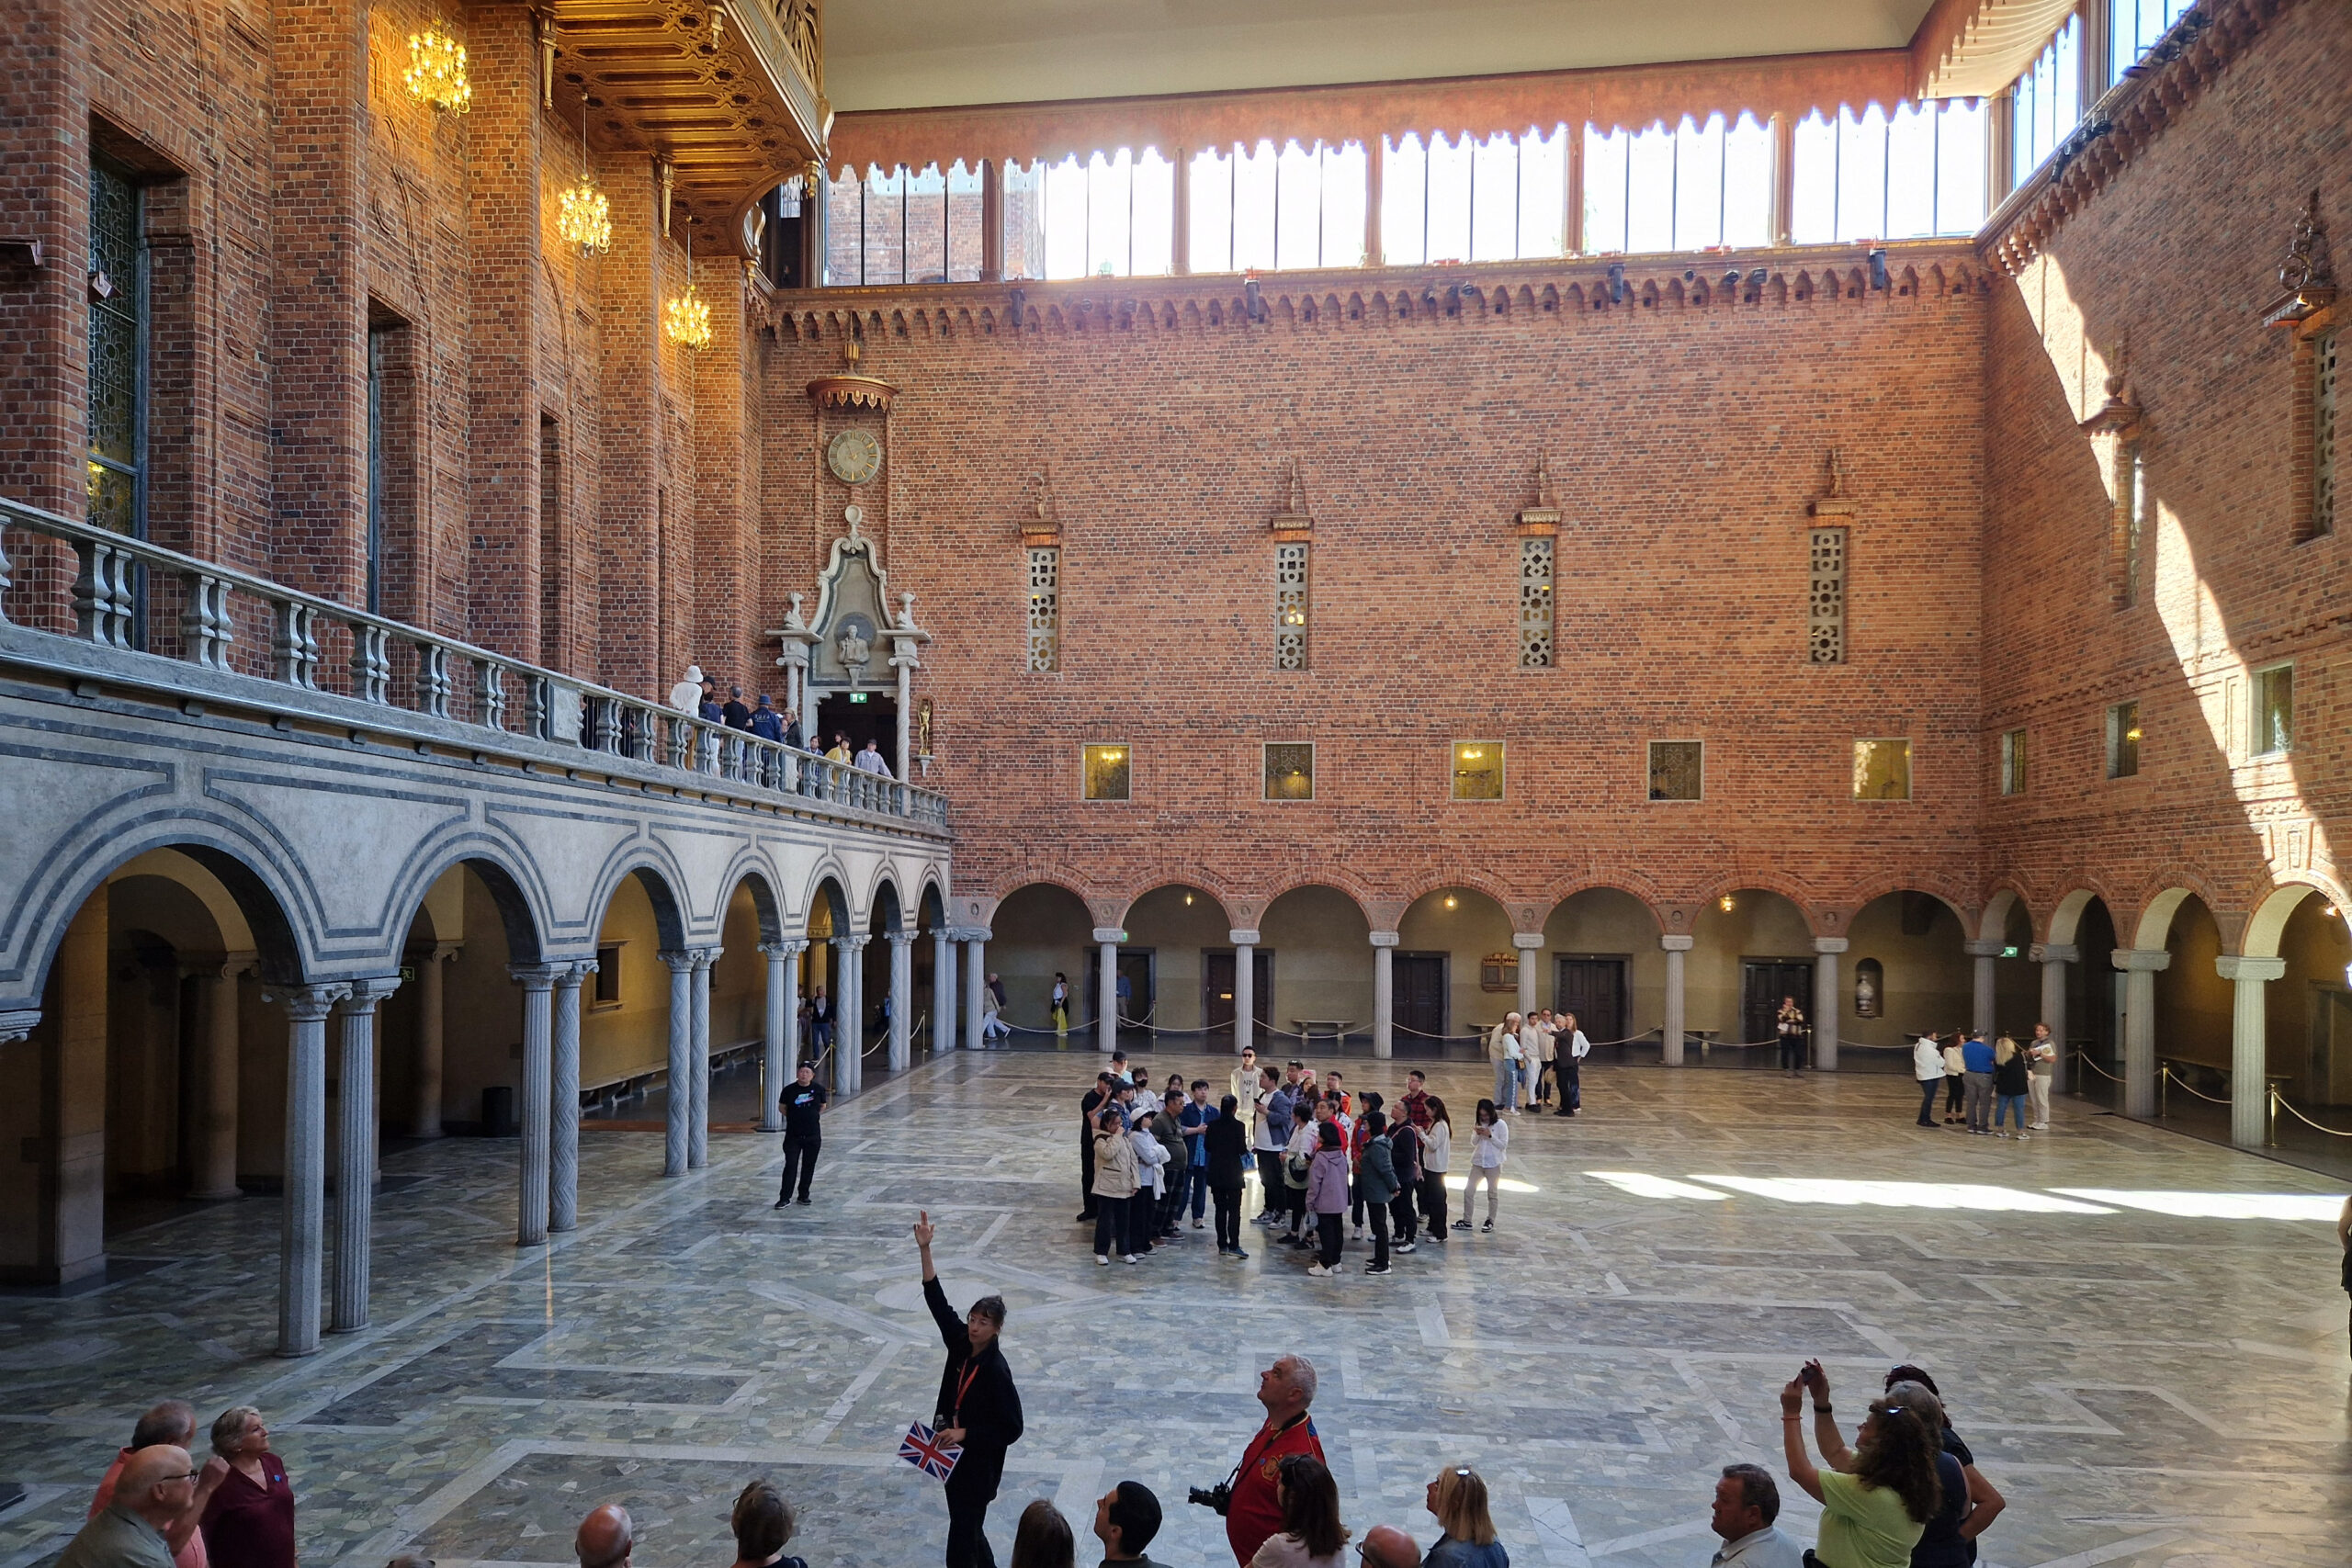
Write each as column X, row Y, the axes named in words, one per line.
column 1617, row 283
column 1879, row 278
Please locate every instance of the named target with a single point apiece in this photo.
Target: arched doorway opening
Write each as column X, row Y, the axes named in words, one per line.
column 1318, row 994
column 1042, row 934
column 1751, row 947
column 1177, row 972
column 1455, row 971
column 1906, row 972
column 1607, row 968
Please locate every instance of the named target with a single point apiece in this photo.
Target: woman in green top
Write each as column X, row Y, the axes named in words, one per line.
column 1877, row 1496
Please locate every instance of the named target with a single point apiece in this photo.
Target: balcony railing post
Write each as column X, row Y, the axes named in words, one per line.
column 295, row 644
column 6, row 581
column 432, row 678
column 539, row 716
column 642, row 742
column 490, row 693
column 207, row 628
column 102, row 598
column 371, row 663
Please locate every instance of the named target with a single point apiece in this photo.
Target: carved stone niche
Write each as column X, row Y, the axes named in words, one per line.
column 851, row 624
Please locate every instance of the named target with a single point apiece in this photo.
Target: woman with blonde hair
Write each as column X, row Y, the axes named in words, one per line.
column 2012, row 1078
column 1457, row 1499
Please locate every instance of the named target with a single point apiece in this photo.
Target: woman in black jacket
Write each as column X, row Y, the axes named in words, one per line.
column 979, row 1410
column 1226, row 1139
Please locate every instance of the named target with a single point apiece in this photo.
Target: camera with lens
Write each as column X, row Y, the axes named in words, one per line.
column 1220, row 1497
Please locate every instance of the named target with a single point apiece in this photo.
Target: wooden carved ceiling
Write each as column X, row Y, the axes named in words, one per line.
column 730, row 91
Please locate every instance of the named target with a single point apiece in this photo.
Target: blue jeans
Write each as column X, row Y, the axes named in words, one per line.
column 1506, row 1084
column 2004, row 1104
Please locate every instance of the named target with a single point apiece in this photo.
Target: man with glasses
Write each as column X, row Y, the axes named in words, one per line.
column 173, row 1423
column 152, row 1494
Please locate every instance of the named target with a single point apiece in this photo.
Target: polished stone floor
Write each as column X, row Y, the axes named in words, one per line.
column 2142, row 1335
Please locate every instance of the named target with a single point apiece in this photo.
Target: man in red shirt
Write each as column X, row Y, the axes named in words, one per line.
column 173, row 1423
column 1417, row 1101
column 1255, row 1512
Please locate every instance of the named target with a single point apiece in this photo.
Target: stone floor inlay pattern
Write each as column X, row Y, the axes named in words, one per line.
column 2150, row 1382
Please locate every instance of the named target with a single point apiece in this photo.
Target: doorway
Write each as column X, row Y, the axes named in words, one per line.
column 1139, row 971
column 1417, row 993
column 1593, row 989
column 1216, row 986
column 2327, row 1079
column 1762, row 983
column 863, row 717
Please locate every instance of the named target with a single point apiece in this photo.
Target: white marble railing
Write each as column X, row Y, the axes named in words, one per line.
column 160, row 616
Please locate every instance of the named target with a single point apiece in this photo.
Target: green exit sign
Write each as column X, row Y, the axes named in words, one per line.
column 857, row 696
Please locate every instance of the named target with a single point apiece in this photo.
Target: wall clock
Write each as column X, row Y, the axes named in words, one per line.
column 855, row 455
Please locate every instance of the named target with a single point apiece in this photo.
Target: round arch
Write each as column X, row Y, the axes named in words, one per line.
column 1732, row 885
column 2066, row 915
column 751, row 873
column 1994, row 924
column 515, row 890
column 2268, row 921
column 659, row 876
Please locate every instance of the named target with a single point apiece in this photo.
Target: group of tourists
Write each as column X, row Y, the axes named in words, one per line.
column 1536, row 1056
column 1986, row 1086
column 698, row 694
column 1330, row 1164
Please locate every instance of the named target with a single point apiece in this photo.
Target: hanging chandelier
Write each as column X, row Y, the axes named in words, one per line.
column 585, row 218
column 436, row 71
column 685, row 316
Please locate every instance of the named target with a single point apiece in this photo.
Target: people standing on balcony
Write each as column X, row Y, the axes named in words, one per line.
column 766, row 723
column 839, row 751
column 870, row 761
column 734, row 713
column 793, row 736
column 1790, row 1025
column 686, row 695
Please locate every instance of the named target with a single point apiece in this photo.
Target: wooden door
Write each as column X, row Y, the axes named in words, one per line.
column 1593, row 989
column 1416, row 994
column 1763, row 983
column 1216, row 986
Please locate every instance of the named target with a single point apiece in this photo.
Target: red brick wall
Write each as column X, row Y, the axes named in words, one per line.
column 1687, row 439
column 2170, row 268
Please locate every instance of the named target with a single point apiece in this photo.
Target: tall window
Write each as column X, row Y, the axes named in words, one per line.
column 1826, row 629
column 2047, row 101
column 1291, row 587
column 1113, row 215
column 117, row 409
column 376, row 346
column 1045, row 608
column 1536, row 598
column 2274, row 710
column 1678, row 188
column 904, row 226
column 2123, row 740
column 2136, row 512
column 2135, row 25
column 2324, row 425
column 1878, row 177
column 1469, row 200
column 1264, row 206
column 551, row 550
column 2013, row 761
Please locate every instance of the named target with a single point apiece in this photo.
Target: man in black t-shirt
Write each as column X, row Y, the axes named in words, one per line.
column 803, row 1102
column 1086, row 1106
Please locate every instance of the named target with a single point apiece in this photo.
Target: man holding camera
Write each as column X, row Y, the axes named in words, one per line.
column 1253, row 1508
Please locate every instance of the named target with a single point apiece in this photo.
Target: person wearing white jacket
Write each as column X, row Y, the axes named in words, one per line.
column 1437, row 1154
column 1151, row 1161
column 1485, row 1164
column 1927, row 1066
column 1504, row 1050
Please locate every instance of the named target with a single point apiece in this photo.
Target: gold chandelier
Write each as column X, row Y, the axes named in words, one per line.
column 586, row 217
column 686, row 317
column 436, row 71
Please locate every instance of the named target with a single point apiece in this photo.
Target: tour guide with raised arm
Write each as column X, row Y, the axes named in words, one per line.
column 1254, row 1511
column 978, row 1409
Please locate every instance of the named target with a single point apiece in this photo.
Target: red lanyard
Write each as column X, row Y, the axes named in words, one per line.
column 962, row 1386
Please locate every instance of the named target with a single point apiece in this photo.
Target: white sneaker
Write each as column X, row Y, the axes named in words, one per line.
column 1131, row 1259
column 2020, row 1137
column 1317, row 1270
column 1102, row 1261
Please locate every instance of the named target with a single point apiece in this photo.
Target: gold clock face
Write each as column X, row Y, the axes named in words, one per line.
column 855, row 455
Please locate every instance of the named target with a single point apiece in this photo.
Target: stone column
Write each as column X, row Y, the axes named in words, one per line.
column 1826, row 1011
column 537, row 981
column 849, row 1013
column 976, row 985
column 943, row 991
column 563, row 1099
column 681, row 1060
column 1985, row 991
column 1384, row 995
column 1106, row 1021
column 425, row 1116
column 2249, row 1044
column 1676, row 1022
column 698, row 1117
column 2140, row 967
column 213, row 1162
column 903, row 998
column 781, row 1023
column 355, row 1164
column 1529, row 943
column 301, row 1248
column 1245, row 988
column 2054, row 959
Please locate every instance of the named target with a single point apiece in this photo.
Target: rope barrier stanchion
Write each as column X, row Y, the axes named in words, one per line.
column 2277, row 1100
column 2188, row 1089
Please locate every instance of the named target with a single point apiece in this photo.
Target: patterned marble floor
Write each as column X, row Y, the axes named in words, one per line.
column 2152, row 1379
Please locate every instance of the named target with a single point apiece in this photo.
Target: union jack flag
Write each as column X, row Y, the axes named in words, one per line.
column 922, row 1449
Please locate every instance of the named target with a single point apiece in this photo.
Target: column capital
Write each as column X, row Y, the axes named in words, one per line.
column 535, row 976
column 791, row 947
column 705, row 957
column 1527, row 942
column 2230, row 967
column 441, row 951
column 855, row 942
column 308, row 1004
column 1984, row 947
column 1386, row 939
column 680, row 959
column 2143, row 960
column 2055, row 953
column 16, row 1025
column 365, row 993
column 1240, row 938
column 575, row 972
column 1113, row 934
column 971, row 933
column 1673, row 943
column 1827, row 945
column 905, row 936
column 232, row 964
